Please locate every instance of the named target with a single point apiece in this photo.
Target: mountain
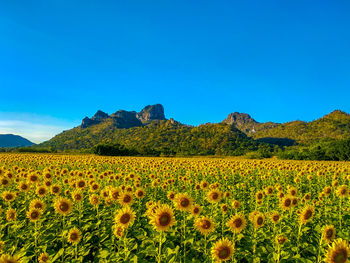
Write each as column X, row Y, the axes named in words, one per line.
column 127, row 119
column 149, row 130
column 335, row 125
column 11, row 140
column 246, row 124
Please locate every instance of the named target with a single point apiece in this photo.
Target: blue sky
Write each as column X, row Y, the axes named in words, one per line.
column 276, row 60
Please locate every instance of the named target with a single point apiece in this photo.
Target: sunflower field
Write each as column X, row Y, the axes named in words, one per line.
column 86, row 208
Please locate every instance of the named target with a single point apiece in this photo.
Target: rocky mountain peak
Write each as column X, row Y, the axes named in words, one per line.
column 99, row 116
column 151, row 112
column 239, row 119
column 127, row 119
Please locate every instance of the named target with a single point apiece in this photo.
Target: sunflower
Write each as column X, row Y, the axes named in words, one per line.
column 81, row 184
column 6, row 258
column 224, row 208
column 77, row 196
column 306, row 214
column 327, row 190
column 338, row 252
column 44, row 258
column 41, row 191
column 214, row 196
column 126, row 199
column 115, row 192
column 236, row 204
column 33, row 178
column 258, row 219
column 63, row 206
column 222, row 250
column 183, row 202
column 237, row 223
column 275, row 217
column 196, row 210
column 171, row 195
column 294, row 201
column 259, row 196
column 94, row 187
column 94, row 200
column 281, row 240
column 163, row 218
column 55, row 189
column 118, row 231
column 204, row 225
column 328, row 233
column 4, row 181
column 34, row 214
column 11, row 214
column 292, row 191
column 286, row 203
column 342, row 191
column 8, row 196
column 125, row 217
column 140, row 193
column 37, row 204
column 74, row 235
column 23, row 187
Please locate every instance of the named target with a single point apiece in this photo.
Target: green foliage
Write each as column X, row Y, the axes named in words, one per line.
column 335, row 150
column 335, row 125
column 159, row 138
column 111, row 150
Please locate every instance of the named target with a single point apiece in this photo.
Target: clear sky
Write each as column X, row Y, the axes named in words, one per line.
column 62, row 60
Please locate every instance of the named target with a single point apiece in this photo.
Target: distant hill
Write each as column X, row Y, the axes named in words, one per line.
column 11, row 140
column 335, row 125
column 149, row 130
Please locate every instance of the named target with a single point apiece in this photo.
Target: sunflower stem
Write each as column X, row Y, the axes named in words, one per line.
column 319, row 249
column 298, row 238
column 184, row 229
column 160, row 248
column 340, row 217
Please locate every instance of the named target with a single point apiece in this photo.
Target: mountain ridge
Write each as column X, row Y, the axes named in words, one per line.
column 236, row 134
column 12, row 140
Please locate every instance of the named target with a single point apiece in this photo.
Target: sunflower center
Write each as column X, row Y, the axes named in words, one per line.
column 127, row 199
column 276, row 218
column 260, row 221
column 224, row 252
column 74, row 236
column 34, row 215
column 329, row 233
column 195, row 210
column 238, row 222
column 125, row 218
column 185, row 202
column 215, row 196
column 206, row 224
column 287, row 202
column 64, row 207
column 340, row 256
column 308, row 214
column 164, row 219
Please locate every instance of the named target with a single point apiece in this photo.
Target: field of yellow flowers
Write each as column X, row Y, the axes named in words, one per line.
column 85, row 208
